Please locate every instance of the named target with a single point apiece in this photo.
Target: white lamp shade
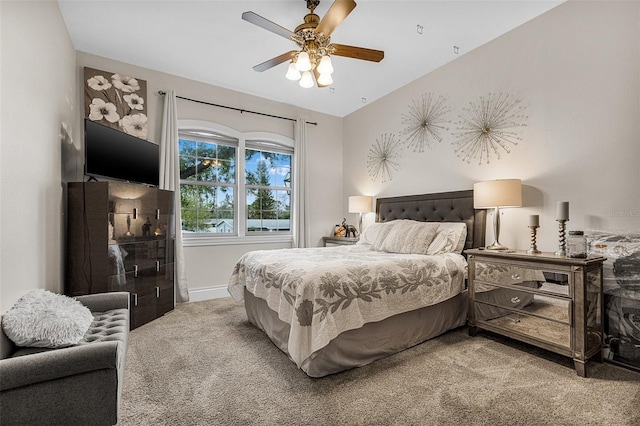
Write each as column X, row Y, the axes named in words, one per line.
column 292, row 73
column 307, row 80
column 303, row 63
column 325, row 66
column 359, row 204
column 325, row 79
column 497, row 193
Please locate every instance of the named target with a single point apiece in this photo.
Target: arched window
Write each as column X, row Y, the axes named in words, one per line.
column 234, row 184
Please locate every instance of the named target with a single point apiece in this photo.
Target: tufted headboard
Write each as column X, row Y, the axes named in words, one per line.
column 456, row 206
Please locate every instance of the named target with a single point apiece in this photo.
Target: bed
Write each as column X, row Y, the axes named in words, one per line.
column 334, row 308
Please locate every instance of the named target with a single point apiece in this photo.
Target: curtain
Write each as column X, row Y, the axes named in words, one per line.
column 170, row 179
column 301, row 236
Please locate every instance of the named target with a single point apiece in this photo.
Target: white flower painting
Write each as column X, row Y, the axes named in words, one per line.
column 116, row 100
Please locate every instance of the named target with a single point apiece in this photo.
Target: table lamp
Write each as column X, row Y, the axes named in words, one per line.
column 360, row 204
column 495, row 194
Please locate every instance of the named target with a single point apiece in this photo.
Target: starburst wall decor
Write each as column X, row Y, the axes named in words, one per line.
column 382, row 160
column 425, row 122
column 489, row 127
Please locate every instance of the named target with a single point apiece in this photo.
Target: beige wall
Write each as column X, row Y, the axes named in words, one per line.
column 38, row 97
column 577, row 70
column 209, row 267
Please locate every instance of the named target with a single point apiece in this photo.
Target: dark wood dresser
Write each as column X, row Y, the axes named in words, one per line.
column 120, row 238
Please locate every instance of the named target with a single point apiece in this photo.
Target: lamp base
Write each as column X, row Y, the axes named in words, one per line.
column 497, row 246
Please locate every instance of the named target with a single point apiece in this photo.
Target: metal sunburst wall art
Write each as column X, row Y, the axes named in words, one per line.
column 383, row 158
column 489, row 127
column 425, row 122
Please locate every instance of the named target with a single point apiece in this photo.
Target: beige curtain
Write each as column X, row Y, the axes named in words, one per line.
column 301, row 236
column 170, row 179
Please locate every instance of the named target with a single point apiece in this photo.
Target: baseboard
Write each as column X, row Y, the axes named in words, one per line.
column 206, row 293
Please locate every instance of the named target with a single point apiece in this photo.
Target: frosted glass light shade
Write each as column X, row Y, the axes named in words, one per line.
column 359, row 204
column 303, row 63
column 325, row 66
column 325, row 79
column 497, row 193
column 292, row 73
column 306, row 81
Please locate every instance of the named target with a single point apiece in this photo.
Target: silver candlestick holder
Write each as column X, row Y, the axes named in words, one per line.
column 534, row 247
column 562, row 241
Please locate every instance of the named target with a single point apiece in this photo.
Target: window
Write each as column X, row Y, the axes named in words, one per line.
column 268, row 188
column 233, row 184
column 207, row 182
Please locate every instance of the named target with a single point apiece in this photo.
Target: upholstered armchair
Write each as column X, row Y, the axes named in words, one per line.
column 76, row 385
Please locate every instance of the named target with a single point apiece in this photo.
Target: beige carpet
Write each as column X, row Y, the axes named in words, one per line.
column 204, row 364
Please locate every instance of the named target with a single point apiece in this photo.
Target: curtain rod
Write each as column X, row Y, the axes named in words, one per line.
column 162, row 93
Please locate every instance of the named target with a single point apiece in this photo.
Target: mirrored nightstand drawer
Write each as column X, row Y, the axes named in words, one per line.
column 510, row 275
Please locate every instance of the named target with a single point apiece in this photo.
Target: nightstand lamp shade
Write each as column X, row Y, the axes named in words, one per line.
column 360, row 204
column 495, row 194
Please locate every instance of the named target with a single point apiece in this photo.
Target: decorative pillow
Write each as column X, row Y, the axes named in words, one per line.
column 44, row 319
column 382, row 233
column 409, row 236
column 370, row 234
column 450, row 238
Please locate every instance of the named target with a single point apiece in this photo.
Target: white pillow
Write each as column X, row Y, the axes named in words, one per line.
column 382, row 234
column 370, row 234
column 409, row 236
column 44, row 319
column 451, row 238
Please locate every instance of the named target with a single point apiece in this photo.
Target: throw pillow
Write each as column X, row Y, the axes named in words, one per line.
column 44, row 319
column 409, row 236
column 382, row 233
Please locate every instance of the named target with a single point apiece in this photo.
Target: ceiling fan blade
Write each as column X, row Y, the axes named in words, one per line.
column 275, row 61
column 357, row 52
column 334, row 16
column 267, row 24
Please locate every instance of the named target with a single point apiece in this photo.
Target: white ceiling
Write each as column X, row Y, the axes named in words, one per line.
column 207, row 41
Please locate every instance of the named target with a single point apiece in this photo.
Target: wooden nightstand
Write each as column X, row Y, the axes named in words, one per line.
column 339, row 241
column 520, row 296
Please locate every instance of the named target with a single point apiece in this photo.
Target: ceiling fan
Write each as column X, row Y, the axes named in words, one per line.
column 313, row 37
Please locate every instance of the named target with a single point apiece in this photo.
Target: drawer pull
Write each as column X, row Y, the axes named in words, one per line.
column 135, row 299
column 515, row 300
column 135, row 271
column 157, row 214
column 515, row 276
column 157, row 292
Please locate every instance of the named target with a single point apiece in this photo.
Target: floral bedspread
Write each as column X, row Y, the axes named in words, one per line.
column 322, row 292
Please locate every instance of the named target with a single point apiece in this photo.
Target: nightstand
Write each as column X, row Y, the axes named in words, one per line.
column 510, row 295
column 339, row 241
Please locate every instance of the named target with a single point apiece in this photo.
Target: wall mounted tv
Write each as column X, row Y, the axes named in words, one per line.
column 112, row 154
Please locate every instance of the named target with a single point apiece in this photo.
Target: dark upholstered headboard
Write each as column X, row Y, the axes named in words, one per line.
column 454, row 206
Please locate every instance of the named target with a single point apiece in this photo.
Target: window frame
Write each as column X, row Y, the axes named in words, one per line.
column 240, row 236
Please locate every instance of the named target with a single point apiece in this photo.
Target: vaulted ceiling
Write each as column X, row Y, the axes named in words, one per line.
column 207, row 41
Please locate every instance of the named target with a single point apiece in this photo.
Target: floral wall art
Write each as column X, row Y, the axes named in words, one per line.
column 116, row 100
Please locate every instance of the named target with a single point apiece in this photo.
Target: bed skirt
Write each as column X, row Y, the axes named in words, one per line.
column 373, row 341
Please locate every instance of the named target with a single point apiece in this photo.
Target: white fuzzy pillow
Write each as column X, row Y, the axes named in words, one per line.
column 409, row 236
column 44, row 319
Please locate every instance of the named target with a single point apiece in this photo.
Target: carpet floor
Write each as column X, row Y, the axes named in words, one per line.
column 205, row 364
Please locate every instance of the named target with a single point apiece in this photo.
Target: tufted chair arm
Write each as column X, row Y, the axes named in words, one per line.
column 105, row 301
column 57, row 364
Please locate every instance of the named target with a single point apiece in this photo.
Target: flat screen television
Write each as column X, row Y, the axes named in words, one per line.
column 112, row 154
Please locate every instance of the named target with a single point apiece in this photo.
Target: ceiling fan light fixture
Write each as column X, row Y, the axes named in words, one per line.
column 325, row 79
column 306, row 81
column 303, row 63
column 325, row 66
column 292, row 73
